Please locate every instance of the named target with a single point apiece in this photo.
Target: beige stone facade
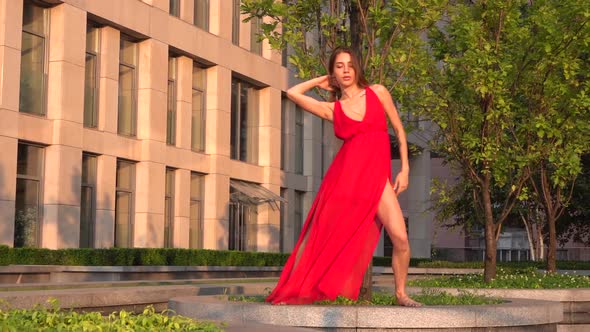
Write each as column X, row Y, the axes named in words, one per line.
column 133, row 120
column 153, row 209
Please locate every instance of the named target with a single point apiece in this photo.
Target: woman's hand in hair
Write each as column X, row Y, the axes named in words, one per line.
column 325, row 82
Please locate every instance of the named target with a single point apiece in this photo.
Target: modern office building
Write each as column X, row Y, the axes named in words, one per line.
column 157, row 123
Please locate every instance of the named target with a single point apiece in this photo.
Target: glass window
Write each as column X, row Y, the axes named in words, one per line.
column 127, row 112
column 201, row 14
column 88, row 201
column 29, row 176
column 175, row 8
column 284, row 130
column 242, row 219
column 169, row 209
column 299, row 140
column 244, row 121
column 33, row 69
column 125, row 191
column 196, row 211
column 255, row 29
column 198, row 108
column 91, row 77
column 282, row 227
column 235, row 33
column 171, row 114
column 298, row 216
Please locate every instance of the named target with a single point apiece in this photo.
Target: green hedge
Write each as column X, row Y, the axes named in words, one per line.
column 205, row 257
column 138, row 257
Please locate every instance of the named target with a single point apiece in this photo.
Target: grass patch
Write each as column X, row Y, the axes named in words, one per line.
column 509, row 279
column 427, row 297
column 53, row 319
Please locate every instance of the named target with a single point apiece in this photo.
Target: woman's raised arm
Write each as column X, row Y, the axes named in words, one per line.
column 324, row 110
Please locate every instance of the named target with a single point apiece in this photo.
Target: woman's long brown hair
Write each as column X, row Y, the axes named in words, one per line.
column 356, row 64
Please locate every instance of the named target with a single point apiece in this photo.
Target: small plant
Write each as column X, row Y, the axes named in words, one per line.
column 51, row 318
column 427, row 297
column 529, row 278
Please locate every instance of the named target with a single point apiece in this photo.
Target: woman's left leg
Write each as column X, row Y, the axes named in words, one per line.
column 390, row 215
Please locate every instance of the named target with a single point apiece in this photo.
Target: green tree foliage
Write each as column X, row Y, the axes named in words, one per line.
column 388, row 35
column 575, row 223
column 554, row 94
column 513, row 105
column 477, row 46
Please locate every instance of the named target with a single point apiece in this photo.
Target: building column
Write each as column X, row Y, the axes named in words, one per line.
column 108, row 90
column 151, row 130
column 61, row 197
column 184, row 98
column 418, row 194
column 217, row 145
column 106, row 181
column 65, row 100
column 11, row 12
column 187, row 10
column 148, row 229
column 269, row 156
column 182, row 194
column 220, row 18
column 8, row 146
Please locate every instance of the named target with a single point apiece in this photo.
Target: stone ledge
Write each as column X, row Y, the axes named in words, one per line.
column 87, row 298
column 578, row 295
column 517, row 312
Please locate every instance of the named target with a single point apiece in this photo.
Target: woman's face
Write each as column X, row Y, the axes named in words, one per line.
column 343, row 70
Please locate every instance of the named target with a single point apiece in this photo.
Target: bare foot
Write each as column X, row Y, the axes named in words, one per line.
column 406, row 301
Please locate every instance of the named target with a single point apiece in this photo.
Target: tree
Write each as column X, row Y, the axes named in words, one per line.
column 477, row 45
column 513, row 107
column 387, row 35
column 555, row 92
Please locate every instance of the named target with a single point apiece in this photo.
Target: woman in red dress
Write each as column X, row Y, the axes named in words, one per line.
column 356, row 198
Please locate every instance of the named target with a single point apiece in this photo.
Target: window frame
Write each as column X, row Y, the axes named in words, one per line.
column 91, row 185
column 298, row 216
column 239, row 144
column 299, row 135
column 131, row 192
column 196, row 223
column 235, row 33
column 205, row 24
column 45, row 58
column 172, row 100
column 96, row 55
column 170, row 175
column 255, row 30
column 203, row 119
column 39, row 180
column 174, row 8
column 134, row 87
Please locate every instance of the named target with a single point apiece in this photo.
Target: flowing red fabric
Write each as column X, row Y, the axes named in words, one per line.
column 341, row 227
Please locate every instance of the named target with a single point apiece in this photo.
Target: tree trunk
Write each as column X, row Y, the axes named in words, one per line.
column 366, row 292
column 529, row 229
column 489, row 271
column 551, row 254
column 355, row 28
column 541, row 243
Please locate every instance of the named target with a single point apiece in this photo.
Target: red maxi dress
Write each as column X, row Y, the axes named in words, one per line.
column 342, row 228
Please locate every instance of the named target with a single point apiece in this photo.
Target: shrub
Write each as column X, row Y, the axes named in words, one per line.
column 53, row 319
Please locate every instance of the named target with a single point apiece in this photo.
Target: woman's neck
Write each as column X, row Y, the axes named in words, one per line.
column 352, row 91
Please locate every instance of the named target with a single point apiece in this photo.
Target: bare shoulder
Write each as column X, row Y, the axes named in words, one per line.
column 380, row 90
